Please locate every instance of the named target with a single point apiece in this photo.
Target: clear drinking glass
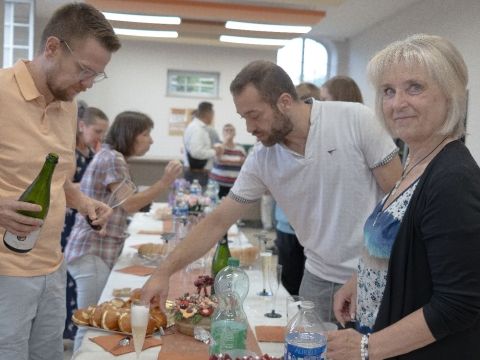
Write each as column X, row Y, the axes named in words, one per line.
column 274, row 280
column 140, row 313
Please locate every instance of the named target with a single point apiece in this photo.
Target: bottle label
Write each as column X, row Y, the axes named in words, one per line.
column 21, row 243
column 295, row 352
column 228, row 335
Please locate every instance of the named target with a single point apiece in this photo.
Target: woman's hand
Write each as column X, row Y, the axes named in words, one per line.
column 345, row 301
column 172, row 171
column 343, row 345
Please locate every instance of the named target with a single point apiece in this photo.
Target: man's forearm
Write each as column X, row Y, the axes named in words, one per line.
column 199, row 240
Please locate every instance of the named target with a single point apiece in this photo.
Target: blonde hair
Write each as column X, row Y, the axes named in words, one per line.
column 443, row 63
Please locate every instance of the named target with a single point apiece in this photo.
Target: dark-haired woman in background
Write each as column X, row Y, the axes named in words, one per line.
column 90, row 256
column 92, row 124
column 341, row 88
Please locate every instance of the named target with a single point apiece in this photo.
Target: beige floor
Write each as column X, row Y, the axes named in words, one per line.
column 248, row 231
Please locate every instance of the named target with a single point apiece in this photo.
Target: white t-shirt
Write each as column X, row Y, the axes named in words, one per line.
column 328, row 193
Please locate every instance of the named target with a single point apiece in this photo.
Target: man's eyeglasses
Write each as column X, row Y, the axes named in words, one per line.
column 85, row 72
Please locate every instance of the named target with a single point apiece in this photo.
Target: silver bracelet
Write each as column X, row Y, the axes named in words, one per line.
column 364, row 347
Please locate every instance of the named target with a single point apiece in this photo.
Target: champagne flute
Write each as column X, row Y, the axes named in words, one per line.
column 266, row 257
column 274, row 282
column 140, row 314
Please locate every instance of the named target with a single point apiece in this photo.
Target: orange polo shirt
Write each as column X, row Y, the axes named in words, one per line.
column 29, row 130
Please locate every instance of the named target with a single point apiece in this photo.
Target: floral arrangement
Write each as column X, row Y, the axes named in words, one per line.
column 196, row 306
column 197, row 203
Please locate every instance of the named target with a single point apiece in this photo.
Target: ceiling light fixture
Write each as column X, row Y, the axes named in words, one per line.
column 165, row 20
column 146, row 33
column 253, row 40
column 238, row 25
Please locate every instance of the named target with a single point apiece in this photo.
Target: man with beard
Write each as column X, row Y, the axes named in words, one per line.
column 38, row 117
column 326, row 164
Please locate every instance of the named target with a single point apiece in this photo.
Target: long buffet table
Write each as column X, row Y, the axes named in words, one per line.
column 255, row 306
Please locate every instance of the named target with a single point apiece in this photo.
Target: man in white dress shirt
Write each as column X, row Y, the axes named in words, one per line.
column 199, row 150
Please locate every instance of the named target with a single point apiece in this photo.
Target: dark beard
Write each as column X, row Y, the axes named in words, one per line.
column 281, row 127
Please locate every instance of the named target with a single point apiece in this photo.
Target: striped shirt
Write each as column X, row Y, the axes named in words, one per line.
column 107, row 167
column 226, row 168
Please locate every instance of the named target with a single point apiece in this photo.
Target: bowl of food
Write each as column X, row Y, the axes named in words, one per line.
column 152, row 252
column 194, row 309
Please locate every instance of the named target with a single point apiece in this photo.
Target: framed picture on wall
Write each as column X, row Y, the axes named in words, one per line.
column 178, row 121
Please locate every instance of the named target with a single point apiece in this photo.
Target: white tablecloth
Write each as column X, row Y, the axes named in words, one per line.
column 255, row 306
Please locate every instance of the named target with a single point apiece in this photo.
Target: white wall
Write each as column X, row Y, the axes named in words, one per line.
column 456, row 20
column 137, row 81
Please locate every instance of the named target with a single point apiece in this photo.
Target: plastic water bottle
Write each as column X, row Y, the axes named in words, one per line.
column 180, row 207
column 232, row 278
column 196, row 188
column 229, row 322
column 305, row 336
column 211, row 193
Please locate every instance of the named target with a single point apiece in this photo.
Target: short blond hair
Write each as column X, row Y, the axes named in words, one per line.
column 443, row 63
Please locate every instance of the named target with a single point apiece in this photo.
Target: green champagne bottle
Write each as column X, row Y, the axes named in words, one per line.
column 37, row 193
column 220, row 258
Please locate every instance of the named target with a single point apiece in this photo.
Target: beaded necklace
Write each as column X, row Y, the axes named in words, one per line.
column 405, row 172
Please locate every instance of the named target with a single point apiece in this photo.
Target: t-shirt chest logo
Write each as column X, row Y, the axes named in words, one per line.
column 331, row 151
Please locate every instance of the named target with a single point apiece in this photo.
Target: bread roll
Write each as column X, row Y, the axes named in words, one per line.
column 247, row 255
column 124, row 321
column 96, row 316
column 152, row 326
column 117, row 302
column 135, row 294
column 151, row 249
column 159, row 317
column 121, row 292
column 110, row 317
column 81, row 317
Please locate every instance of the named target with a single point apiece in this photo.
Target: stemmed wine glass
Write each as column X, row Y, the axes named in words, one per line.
column 275, row 281
column 266, row 258
column 122, row 192
column 140, row 313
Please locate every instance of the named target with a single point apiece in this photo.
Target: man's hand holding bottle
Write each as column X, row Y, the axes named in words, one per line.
column 16, row 223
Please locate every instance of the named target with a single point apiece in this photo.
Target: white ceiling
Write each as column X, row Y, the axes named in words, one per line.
column 344, row 18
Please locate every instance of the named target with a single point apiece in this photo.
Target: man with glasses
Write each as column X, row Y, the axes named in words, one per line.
column 38, row 116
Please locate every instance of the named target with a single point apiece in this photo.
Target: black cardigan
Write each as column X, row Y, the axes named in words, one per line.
column 435, row 260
